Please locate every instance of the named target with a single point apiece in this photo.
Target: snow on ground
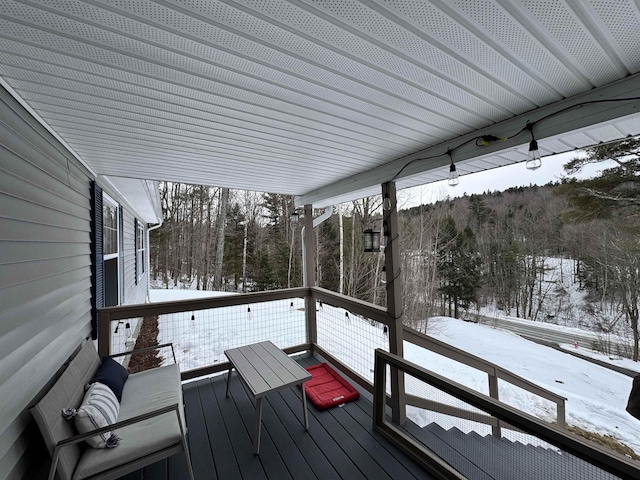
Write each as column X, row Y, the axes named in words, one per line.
column 158, row 295
column 596, row 396
column 200, row 337
column 613, row 360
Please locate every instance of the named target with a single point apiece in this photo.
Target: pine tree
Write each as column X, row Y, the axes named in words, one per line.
column 616, row 191
column 459, row 266
column 611, row 202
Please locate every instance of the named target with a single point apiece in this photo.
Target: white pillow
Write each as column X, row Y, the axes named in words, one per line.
column 99, row 408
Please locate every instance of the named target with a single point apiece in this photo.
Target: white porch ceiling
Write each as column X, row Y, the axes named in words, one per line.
column 320, row 99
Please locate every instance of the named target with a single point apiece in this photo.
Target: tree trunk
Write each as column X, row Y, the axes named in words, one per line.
column 222, row 216
column 353, row 256
column 293, row 241
column 341, row 284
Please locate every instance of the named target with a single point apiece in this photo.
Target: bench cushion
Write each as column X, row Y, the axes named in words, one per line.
column 67, row 392
column 99, row 409
column 143, row 392
column 113, row 375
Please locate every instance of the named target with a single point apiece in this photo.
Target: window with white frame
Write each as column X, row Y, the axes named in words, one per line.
column 111, row 251
column 109, row 229
column 140, row 249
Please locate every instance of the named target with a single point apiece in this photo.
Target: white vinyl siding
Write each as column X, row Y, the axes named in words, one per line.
column 134, row 292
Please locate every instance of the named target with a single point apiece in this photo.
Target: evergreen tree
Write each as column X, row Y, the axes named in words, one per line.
column 611, row 201
column 283, row 241
column 478, row 209
column 616, row 191
column 459, row 267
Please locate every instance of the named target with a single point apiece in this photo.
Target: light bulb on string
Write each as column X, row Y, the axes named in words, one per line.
column 534, row 161
column 386, row 202
column 454, row 178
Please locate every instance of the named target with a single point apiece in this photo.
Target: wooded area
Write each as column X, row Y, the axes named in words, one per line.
column 458, row 255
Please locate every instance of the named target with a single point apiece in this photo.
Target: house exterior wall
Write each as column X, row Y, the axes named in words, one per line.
column 45, row 274
column 134, row 291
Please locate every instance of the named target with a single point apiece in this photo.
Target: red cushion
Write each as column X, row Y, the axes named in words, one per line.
column 327, row 388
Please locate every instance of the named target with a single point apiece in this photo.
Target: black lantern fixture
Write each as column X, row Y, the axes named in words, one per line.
column 295, row 218
column 371, row 240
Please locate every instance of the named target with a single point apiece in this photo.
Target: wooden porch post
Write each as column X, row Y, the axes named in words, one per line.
column 394, row 297
column 104, row 333
column 310, row 275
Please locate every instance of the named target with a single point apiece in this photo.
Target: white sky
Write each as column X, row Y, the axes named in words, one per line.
column 497, row 179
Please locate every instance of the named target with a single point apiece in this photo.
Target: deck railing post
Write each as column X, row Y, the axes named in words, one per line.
column 395, row 305
column 310, row 275
column 104, row 333
column 561, row 420
column 493, row 393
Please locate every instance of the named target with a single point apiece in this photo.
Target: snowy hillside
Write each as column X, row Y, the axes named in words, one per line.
column 560, row 301
column 596, row 396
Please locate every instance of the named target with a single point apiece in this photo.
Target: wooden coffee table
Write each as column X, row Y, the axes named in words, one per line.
column 264, row 368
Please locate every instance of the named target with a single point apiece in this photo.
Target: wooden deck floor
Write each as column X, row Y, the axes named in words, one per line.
column 340, row 443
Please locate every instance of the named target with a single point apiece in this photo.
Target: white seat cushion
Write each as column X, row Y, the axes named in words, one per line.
column 143, row 392
column 99, row 408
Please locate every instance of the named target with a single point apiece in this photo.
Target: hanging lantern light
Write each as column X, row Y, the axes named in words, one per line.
column 371, row 237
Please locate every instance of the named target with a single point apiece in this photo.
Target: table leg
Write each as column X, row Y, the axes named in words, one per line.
column 304, row 405
column 257, row 426
column 228, row 381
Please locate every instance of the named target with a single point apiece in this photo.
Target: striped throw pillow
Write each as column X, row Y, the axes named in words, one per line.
column 99, row 408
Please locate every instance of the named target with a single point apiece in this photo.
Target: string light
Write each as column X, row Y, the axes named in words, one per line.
column 386, row 202
column 533, row 158
column 454, row 178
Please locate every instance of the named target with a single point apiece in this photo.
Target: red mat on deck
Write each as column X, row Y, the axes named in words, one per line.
column 327, row 388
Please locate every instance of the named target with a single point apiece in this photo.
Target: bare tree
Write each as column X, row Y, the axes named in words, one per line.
column 221, row 223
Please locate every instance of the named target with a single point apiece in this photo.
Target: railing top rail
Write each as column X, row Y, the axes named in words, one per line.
column 368, row 310
column 159, row 308
column 461, row 356
column 607, row 460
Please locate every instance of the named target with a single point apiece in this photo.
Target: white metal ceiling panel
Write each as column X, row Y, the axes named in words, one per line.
column 317, row 98
column 618, row 20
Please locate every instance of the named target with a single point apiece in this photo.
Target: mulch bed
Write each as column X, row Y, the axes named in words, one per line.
column 148, row 337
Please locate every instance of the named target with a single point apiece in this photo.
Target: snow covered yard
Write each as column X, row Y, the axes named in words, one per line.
column 596, row 396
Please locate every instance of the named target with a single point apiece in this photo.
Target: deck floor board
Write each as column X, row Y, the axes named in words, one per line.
column 340, row 442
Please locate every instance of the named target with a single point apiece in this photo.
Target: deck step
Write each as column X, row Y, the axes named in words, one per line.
column 501, row 458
